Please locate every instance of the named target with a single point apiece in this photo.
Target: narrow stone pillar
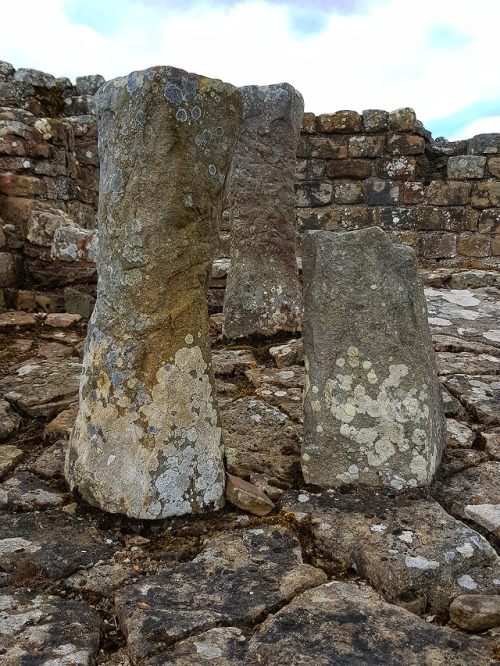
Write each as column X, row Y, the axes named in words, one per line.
column 147, row 440
column 263, row 294
column 372, row 404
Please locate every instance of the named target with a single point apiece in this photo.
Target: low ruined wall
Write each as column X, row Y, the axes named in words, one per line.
column 353, row 171
column 383, row 169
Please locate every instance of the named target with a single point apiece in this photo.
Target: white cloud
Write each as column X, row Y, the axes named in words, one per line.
column 384, row 59
column 482, row 126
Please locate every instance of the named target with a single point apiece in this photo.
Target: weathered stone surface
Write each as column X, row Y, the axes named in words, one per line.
column 467, row 363
column 479, row 394
column 238, row 579
column 61, row 426
column 288, row 354
column 476, row 612
column 263, row 291
column 402, row 120
column 474, row 279
column 339, row 623
column 412, row 552
column 485, row 144
column 44, row 629
column 79, row 302
column 372, row 407
column 50, row 546
column 344, row 122
column 442, row 193
column 247, row 496
column 24, row 492
column 475, row 494
column 50, row 463
column 147, row 438
column 43, row 387
column 228, row 362
column 466, row 167
column 491, row 442
column 471, row 316
column 9, row 420
column 260, row 438
column 459, row 435
column 102, row 579
column 9, row 457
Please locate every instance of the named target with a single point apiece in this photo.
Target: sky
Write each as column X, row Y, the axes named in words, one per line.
column 439, row 57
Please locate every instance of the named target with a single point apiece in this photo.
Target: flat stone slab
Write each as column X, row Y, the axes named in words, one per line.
column 480, row 395
column 333, row 624
column 49, row 545
column 339, row 623
column 38, row 629
column 475, row 494
column 10, row 455
column 260, row 438
column 50, row 463
column 471, row 315
column 25, row 492
column 238, row 579
column 19, row 320
column 42, row 387
column 412, row 552
column 467, row 363
column 229, row 362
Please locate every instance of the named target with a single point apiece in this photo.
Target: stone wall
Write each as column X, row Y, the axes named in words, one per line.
column 378, row 168
column 353, row 171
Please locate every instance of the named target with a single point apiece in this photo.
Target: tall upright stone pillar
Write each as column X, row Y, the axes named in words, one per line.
column 147, row 440
column 372, row 404
column 263, row 294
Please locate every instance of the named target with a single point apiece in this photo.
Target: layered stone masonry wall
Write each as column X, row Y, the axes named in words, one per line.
column 378, row 168
column 353, row 171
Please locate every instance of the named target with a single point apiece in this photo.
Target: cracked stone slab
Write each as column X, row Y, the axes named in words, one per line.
column 480, row 395
column 25, row 492
column 103, row 580
column 260, row 438
column 228, row 362
column 237, row 580
column 9, row 420
column 36, row 628
column 412, row 552
column 291, row 353
column 43, row 387
column 287, row 378
column 475, row 494
column 473, row 316
column 339, row 623
column 50, row 463
column 459, row 435
column 49, row 545
column 10, row 455
column 449, row 343
column 466, row 363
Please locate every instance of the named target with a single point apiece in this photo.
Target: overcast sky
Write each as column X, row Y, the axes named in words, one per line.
column 438, row 56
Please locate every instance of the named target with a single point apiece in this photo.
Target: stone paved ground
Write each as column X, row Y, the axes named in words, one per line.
column 327, row 578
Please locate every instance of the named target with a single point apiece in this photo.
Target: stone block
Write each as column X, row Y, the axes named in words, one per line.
column 486, row 194
column 404, row 237
column 366, row 146
column 441, row 218
column 463, row 167
column 402, row 120
column 10, row 270
column 395, row 218
column 42, row 224
column 74, row 244
column 348, row 192
column 405, row 144
column 485, row 144
column 494, row 166
column 263, row 294
column 34, row 77
column 6, row 70
column 375, row 120
column 36, row 301
column 356, row 217
column 325, row 147
column 381, row 192
column 474, row 245
column 438, row 246
column 308, row 123
column 342, row 122
column 489, row 221
column 399, row 168
column 78, row 302
column 309, row 169
column 495, row 246
column 313, row 194
column 372, row 405
column 147, row 357
column 443, row 193
column 327, row 219
column 79, row 105
column 357, row 169
column 14, row 185
column 89, row 85
column 413, row 193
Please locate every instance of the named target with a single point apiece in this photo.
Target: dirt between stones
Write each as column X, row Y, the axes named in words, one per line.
column 326, row 578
